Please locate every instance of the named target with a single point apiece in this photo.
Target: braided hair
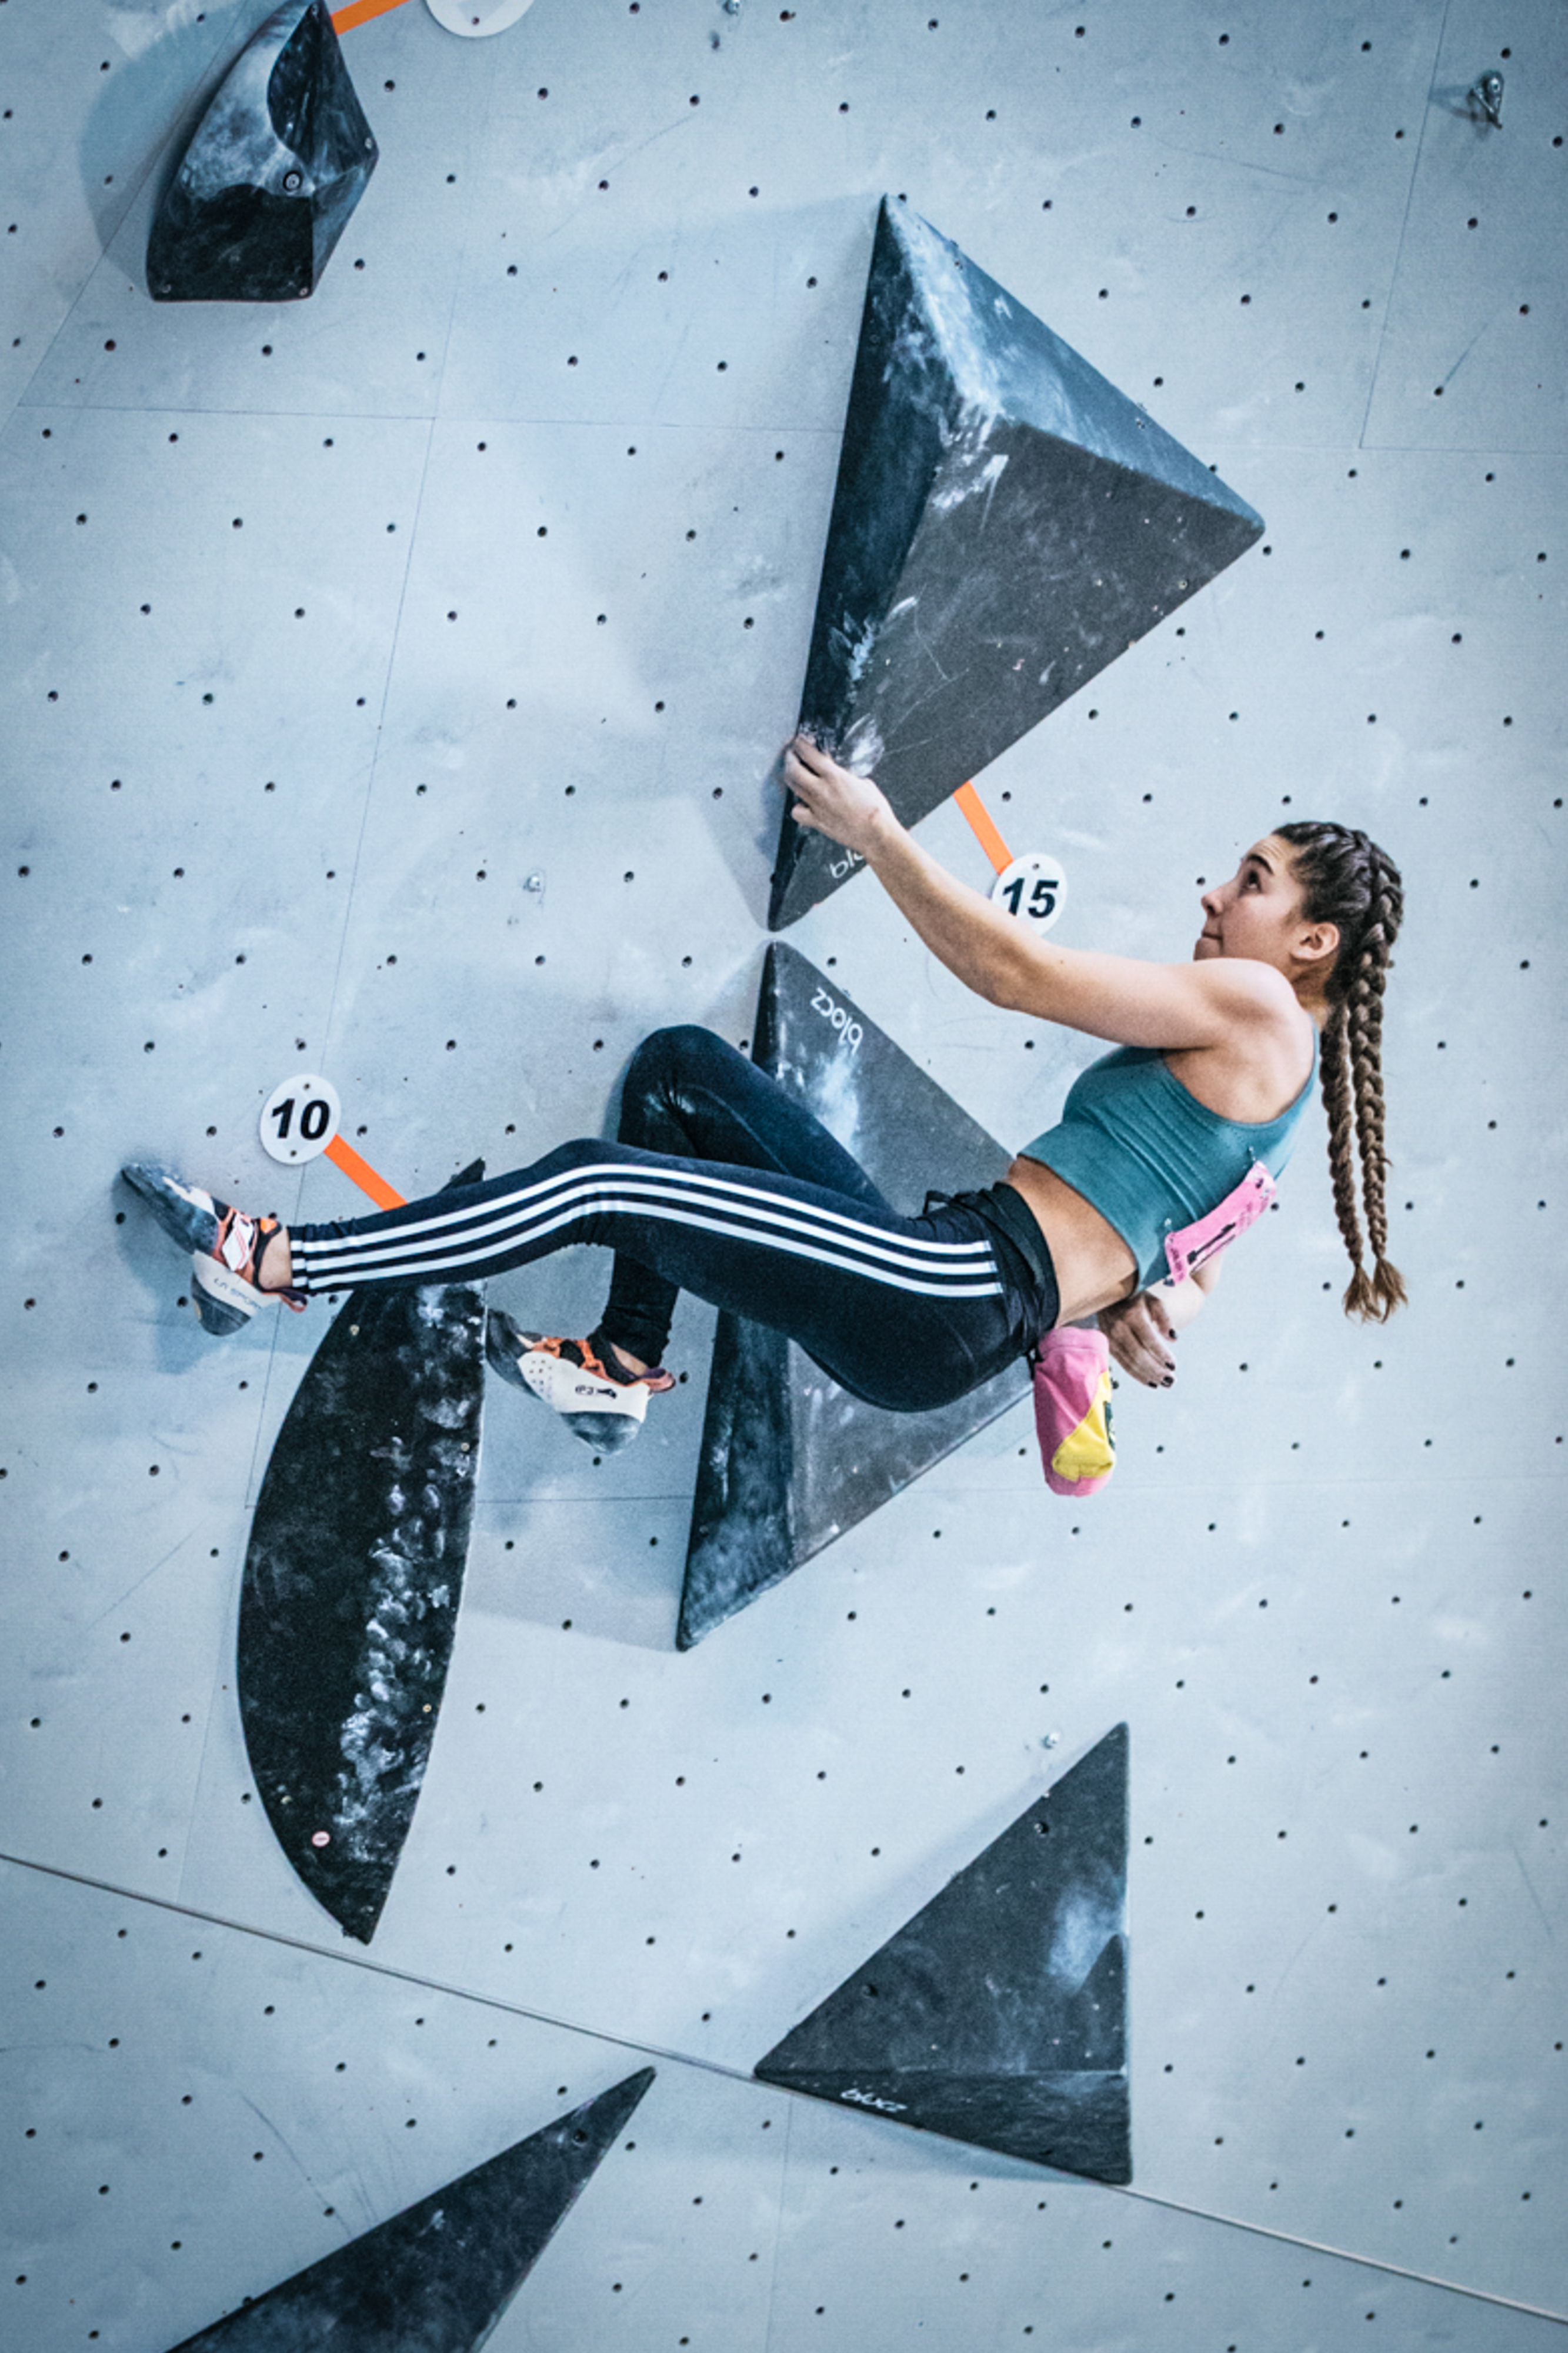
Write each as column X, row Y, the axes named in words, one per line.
column 1347, row 880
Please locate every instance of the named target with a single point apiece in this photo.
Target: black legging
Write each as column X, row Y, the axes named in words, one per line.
column 723, row 1183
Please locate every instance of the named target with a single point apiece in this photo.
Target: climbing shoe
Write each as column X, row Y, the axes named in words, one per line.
column 225, row 1248
column 603, row 1408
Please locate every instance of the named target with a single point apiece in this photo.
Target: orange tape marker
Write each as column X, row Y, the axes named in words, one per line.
column 360, row 12
column 985, row 833
column 362, row 1174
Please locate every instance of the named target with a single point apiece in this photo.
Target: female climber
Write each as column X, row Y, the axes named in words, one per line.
column 720, row 1183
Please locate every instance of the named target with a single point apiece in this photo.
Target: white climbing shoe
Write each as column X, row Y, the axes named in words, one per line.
column 604, row 1411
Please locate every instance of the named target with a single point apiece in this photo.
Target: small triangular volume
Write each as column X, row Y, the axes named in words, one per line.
column 436, row 2278
column 347, row 1607
column 1005, row 523
column 789, row 1460
column 998, row 2014
column 276, row 164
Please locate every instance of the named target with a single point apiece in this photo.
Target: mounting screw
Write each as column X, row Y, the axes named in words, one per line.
column 1486, row 94
column 1051, row 1740
column 535, row 883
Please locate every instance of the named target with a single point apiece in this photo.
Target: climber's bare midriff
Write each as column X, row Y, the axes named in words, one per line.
column 1093, row 1264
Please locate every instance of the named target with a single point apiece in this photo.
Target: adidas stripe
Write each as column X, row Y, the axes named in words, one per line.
column 464, row 1242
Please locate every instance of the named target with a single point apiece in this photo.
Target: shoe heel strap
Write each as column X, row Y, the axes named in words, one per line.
column 241, row 1240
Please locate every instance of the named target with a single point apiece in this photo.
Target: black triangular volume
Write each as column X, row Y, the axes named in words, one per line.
column 998, row 2014
column 1005, row 523
column 276, row 164
column 347, row 1607
column 436, row 2278
column 789, row 1460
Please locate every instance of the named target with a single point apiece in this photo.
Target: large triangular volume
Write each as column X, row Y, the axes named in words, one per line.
column 1005, row 523
column 348, row 1608
column 998, row 2015
column 789, row 1460
column 278, row 162
column 436, row 2278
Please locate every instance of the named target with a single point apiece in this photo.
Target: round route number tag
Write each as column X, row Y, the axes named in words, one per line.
column 299, row 1117
column 1033, row 887
column 475, row 18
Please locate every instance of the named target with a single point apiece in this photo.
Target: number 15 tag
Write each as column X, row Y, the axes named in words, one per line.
column 299, row 1118
column 1033, row 887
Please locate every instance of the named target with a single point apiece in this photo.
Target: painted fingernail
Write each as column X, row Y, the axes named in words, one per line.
column 1169, row 1381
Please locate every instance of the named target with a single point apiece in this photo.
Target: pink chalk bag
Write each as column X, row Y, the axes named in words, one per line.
column 1072, row 1362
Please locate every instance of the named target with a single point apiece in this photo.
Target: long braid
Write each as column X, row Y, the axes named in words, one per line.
column 1366, row 1064
column 1333, row 1068
column 1347, row 881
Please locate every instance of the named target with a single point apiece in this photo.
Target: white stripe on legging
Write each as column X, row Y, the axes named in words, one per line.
column 438, row 1220
column 321, row 1262
column 508, row 1215
column 450, row 1266
column 376, row 1254
column 337, row 1265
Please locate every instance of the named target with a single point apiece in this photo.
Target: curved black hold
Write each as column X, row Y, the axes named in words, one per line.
column 352, row 1576
column 1005, row 523
column 278, row 162
column 789, row 1460
column 998, row 2014
column 436, row 2278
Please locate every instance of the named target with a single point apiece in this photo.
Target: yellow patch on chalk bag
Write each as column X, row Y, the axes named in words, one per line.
column 1090, row 1450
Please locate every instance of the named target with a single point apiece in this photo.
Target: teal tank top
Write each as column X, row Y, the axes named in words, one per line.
column 1152, row 1158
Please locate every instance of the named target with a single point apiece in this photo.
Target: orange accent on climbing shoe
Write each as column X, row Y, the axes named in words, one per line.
column 360, row 12
column 362, row 1174
column 985, row 833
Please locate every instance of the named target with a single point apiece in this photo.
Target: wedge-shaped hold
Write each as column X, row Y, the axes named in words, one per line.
column 436, row 2278
column 789, row 1460
column 998, row 2014
column 1005, row 523
column 278, row 161
column 349, row 1604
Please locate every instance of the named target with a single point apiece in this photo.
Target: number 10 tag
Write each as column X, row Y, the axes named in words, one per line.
column 300, row 1117
column 1033, row 887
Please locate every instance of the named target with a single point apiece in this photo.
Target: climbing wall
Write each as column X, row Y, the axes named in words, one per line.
column 389, row 683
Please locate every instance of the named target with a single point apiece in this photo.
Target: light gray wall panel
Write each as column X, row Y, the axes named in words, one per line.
column 727, row 1857
column 888, row 2238
column 193, row 2114
column 156, row 2177
column 723, row 312
column 369, row 343
column 1477, row 311
column 172, row 930
column 154, row 2180
column 92, row 95
column 1086, row 168
column 526, row 738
